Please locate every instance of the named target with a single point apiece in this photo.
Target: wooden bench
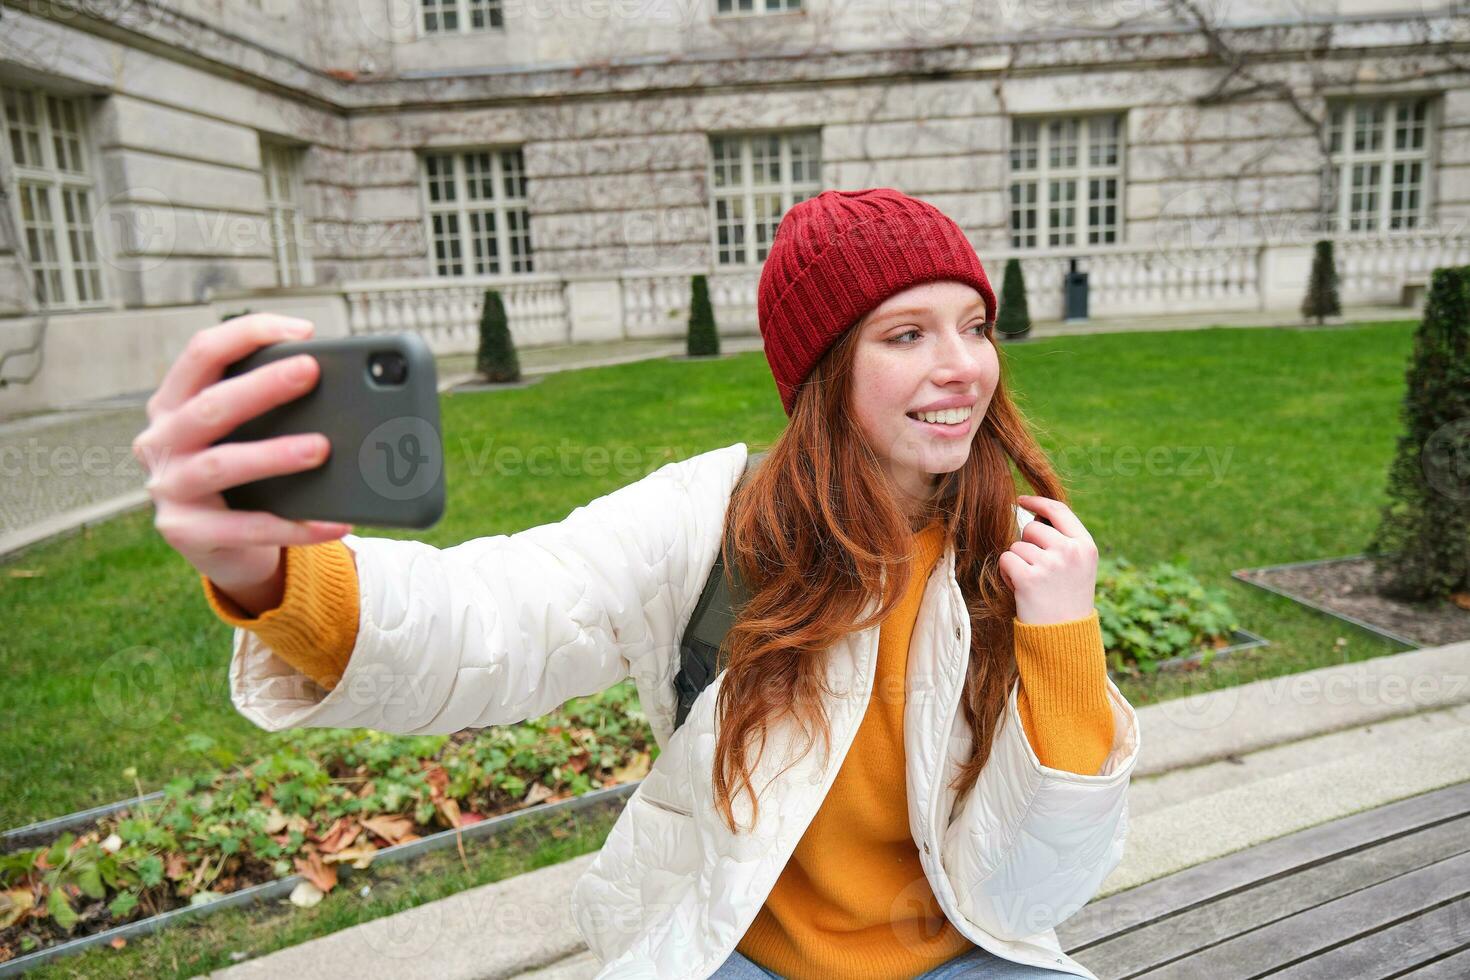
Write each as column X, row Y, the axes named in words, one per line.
column 1381, row 893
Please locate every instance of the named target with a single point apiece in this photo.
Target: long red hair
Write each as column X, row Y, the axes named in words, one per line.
column 819, row 528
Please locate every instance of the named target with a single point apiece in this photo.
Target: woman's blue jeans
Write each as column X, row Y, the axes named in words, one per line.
column 974, row 965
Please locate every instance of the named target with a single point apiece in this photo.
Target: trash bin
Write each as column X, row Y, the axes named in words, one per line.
column 1074, row 293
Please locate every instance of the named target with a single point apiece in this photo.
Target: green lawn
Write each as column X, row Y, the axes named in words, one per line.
column 1253, row 446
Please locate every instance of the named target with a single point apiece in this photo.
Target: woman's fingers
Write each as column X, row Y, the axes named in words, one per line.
column 219, row 409
column 211, row 350
column 212, row 470
column 201, row 527
column 1058, row 513
column 1027, row 551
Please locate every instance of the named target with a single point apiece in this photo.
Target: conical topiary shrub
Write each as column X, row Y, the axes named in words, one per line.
column 496, row 360
column 1321, row 299
column 704, row 340
column 1421, row 548
column 1014, row 319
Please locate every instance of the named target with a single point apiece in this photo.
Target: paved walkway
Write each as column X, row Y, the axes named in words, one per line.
column 1218, row 773
column 73, row 467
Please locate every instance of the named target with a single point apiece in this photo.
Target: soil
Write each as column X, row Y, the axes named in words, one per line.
column 1345, row 586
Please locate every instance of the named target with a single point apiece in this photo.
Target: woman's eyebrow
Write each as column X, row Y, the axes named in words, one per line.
column 923, row 311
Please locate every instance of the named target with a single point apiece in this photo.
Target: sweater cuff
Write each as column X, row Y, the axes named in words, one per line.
column 1063, row 701
column 315, row 627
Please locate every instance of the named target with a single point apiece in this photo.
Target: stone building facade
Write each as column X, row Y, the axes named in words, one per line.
column 375, row 165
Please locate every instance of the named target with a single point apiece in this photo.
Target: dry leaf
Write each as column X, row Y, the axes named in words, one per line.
column 537, row 794
column 319, row 874
column 117, row 942
column 25, row 573
column 438, row 781
column 342, row 833
column 175, row 866
column 14, row 904
column 394, row 830
column 360, row 856
column 636, row 769
column 275, row 822
column 1461, row 599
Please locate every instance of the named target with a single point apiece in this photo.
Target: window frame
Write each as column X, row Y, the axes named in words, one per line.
column 1044, row 175
column 748, row 191
column 462, row 11
column 54, row 183
column 461, row 208
column 282, row 238
column 759, row 8
column 1342, row 161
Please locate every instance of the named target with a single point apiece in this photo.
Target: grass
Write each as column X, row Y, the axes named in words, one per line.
column 111, row 654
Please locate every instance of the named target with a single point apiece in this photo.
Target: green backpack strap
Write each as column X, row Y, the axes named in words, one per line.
column 714, row 614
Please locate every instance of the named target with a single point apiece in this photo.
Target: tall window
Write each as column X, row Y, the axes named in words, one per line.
column 281, row 168
column 1380, row 163
column 754, row 180
column 1066, row 177
column 460, row 16
column 756, row 6
column 52, row 188
column 479, row 223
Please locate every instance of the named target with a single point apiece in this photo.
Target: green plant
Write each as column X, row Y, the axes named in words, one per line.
column 703, row 338
column 317, row 799
column 1321, row 299
column 496, row 359
column 1420, row 545
column 1149, row 615
column 1014, row 319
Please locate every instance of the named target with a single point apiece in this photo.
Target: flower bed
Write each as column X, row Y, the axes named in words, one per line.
column 319, row 799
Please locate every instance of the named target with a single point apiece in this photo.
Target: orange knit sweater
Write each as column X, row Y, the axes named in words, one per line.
column 853, row 900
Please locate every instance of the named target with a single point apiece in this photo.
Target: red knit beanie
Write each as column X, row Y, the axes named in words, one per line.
column 839, row 254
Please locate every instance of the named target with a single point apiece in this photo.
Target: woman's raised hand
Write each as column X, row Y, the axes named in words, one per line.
column 240, row 551
column 1052, row 570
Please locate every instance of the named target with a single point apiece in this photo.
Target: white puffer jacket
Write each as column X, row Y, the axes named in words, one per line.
column 508, row 627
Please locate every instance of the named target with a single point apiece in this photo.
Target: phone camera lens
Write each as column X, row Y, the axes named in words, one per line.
column 388, row 367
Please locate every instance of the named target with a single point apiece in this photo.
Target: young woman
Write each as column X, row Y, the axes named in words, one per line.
column 970, row 789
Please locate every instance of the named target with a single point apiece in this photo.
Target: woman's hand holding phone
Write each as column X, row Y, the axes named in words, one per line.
column 240, row 551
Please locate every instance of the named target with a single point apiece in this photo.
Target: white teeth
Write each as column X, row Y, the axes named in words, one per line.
column 949, row 416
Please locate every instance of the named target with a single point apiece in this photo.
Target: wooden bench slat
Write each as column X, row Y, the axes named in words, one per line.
column 1161, row 897
column 1455, row 967
column 1386, row 952
column 1173, row 937
column 1327, row 925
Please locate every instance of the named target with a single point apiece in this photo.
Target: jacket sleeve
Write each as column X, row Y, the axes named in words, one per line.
column 1029, row 845
column 509, row 626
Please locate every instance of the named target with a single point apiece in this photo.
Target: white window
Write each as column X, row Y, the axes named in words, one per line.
column 52, row 187
column 460, row 16
column 1066, row 180
column 479, row 222
column 1380, row 163
column 281, row 168
column 756, row 6
column 754, row 180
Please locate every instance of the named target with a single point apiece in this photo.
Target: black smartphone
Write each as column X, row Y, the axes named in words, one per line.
column 376, row 400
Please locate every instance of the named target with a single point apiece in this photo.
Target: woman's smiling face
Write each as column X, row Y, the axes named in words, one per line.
column 921, row 348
